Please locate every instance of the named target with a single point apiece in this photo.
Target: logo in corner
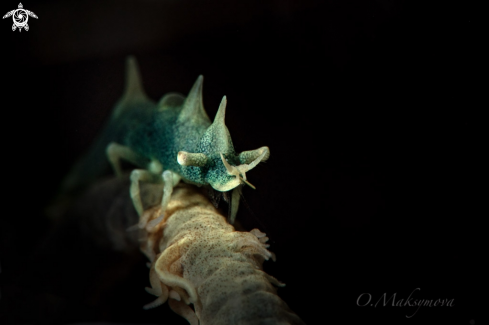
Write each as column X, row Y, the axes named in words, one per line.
column 20, row 17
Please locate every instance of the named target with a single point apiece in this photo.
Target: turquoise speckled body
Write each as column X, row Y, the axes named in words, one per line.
column 160, row 136
column 171, row 140
column 157, row 133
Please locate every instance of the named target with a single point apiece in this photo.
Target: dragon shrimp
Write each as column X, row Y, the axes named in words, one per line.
column 169, row 141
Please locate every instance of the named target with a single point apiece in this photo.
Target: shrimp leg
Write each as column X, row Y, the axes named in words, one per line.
column 170, row 179
column 116, row 152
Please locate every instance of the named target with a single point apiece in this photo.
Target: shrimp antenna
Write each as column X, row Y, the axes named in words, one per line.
column 247, row 183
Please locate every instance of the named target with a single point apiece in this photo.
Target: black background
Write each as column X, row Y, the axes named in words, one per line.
column 370, row 110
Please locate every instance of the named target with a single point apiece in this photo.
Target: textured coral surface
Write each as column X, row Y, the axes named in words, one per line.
column 198, row 259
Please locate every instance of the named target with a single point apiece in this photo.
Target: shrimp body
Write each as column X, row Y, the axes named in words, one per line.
column 172, row 140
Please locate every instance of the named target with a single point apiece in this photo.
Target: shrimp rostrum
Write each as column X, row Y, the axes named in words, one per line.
column 175, row 140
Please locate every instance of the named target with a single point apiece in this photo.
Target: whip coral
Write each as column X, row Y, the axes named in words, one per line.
column 198, row 259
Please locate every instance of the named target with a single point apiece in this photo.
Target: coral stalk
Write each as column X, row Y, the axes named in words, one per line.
column 198, row 259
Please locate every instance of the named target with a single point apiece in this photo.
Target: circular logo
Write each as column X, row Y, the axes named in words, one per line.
column 20, row 17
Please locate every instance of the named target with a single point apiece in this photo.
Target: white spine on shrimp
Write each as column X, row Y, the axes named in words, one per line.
column 203, row 261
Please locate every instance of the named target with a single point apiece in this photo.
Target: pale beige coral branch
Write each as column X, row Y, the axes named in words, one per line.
column 198, row 259
column 206, row 271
